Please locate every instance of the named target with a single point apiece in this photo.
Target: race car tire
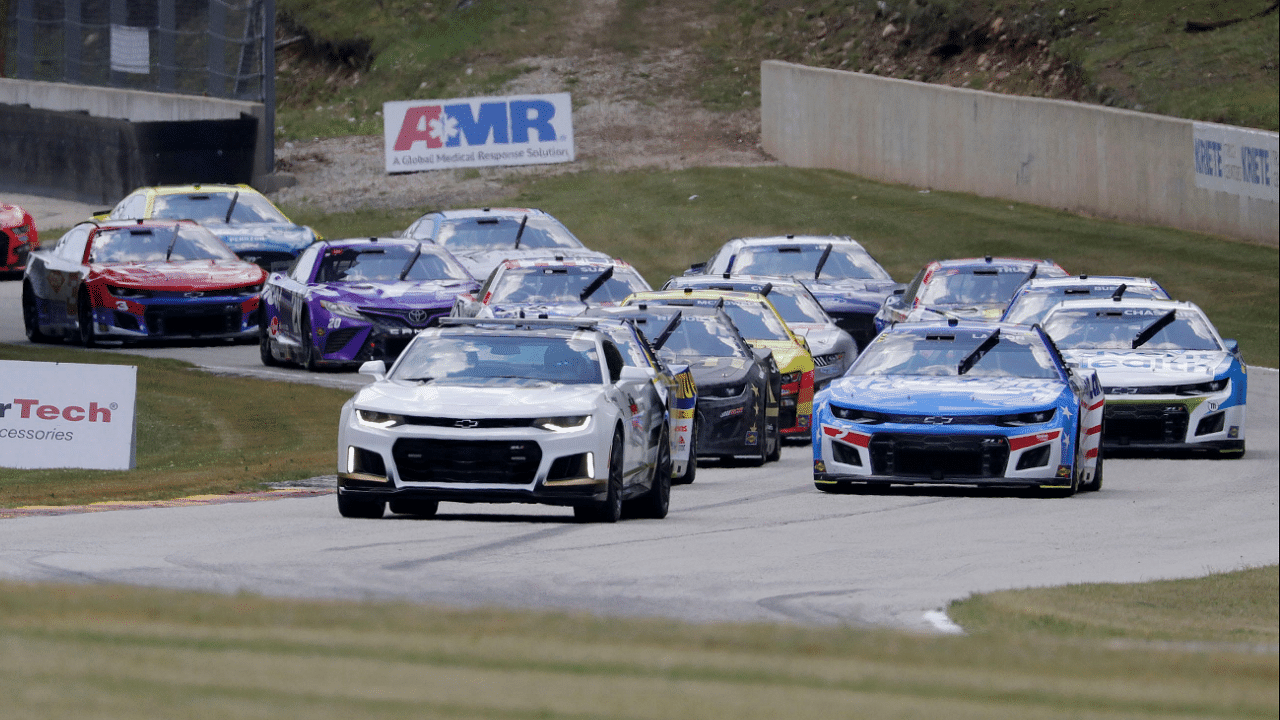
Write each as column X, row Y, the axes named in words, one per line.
column 310, row 355
column 418, row 508
column 608, row 510
column 1095, row 484
column 690, row 468
column 31, row 316
column 350, row 507
column 264, row 347
column 84, row 320
column 776, row 453
column 655, row 503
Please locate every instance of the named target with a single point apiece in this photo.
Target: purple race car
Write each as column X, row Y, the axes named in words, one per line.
column 345, row 302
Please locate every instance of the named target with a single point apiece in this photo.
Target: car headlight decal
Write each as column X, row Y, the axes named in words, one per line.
column 342, row 309
column 563, row 423
column 1038, row 417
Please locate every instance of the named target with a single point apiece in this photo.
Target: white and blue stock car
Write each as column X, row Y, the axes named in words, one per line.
column 960, row 403
column 1173, row 385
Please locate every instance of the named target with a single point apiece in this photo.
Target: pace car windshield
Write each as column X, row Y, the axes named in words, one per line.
column 565, row 284
column 841, row 262
column 957, row 286
column 504, row 233
column 208, row 208
column 954, row 353
column 157, row 244
column 1130, row 328
column 483, row 359
column 386, row 263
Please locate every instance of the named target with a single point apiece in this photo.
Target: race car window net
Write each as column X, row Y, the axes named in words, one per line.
column 803, row 260
column 488, row 359
column 214, row 208
column 157, row 244
column 969, row 353
column 499, row 233
column 385, row 263
column 1120, row 329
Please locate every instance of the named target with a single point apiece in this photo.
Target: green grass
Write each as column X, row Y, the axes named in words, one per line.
column 196, row 434
column 663, row 221
column 120, row 652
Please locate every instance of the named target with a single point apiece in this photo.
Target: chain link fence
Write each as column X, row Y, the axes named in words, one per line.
column 218, row 48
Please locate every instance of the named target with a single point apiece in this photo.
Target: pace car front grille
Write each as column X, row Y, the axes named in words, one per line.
column 1156, row 423
column 510, row 462
column 862, row 326
column 939, row 457
column 193, row 320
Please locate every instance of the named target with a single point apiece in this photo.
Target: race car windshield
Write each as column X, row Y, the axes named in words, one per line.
column 500, row 233
column 1118, row 329
column 797, row 307
column 954, row 353
column 385, row 263
column 1032, row 305
column 959, row 287
column 211, row 208
column 702, row 336
column 756, row 321
column 157, row 244
column 500, row 360
column 842, row 262
column 564, row 284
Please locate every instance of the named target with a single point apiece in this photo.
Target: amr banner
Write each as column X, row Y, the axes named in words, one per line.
column 1237, row 160
column 477, row 132
column 67, row 415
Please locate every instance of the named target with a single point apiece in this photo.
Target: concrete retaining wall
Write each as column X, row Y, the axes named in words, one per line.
column 1081, row 158
column 141, row 106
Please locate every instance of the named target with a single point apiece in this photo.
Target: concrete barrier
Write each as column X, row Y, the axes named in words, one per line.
column 1081, row 158
column 142, row 106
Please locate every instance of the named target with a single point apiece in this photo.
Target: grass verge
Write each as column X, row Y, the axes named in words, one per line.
column 196, row 434
column 119, row 652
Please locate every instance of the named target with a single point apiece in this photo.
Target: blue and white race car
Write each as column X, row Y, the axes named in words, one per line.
column 964, row 288
column 961, row 403
column 1035, row 298
column 1172, row 383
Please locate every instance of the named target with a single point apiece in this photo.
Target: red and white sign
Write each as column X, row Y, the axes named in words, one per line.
column 477, row 132
column 67, row 415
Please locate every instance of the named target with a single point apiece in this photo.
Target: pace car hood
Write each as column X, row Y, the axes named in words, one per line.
column 914, row 395
column 714, row 371
column 425, row 293
column 279, row 237
column 1151, row 367
column 183, row 275
column 502, row 397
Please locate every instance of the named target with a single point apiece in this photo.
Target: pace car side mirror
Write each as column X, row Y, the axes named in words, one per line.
column 633, row 373
column 377, row 369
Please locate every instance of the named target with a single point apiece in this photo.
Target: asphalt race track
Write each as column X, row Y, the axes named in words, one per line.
column 740, row 544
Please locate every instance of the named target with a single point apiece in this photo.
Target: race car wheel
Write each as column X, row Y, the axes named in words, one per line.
column 1095, row 484
column 310, row 354
column 419, row 508
column 776, row 453
column 350, row 507
column 31, row 316
column 610, row 509
column 264, row 347
column 691, row 468
column 655, row 503
column 84, row 318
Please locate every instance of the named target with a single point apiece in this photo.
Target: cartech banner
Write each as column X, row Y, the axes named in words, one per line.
column 477, row 132
column 67, row 415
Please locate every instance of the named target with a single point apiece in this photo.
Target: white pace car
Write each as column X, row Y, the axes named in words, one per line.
column 494, row 411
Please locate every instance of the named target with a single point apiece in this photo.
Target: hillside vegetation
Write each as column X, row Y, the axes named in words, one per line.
column 1199, row 59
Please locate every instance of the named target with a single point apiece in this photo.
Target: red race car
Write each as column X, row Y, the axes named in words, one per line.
column 17, row 238
column 140, row 280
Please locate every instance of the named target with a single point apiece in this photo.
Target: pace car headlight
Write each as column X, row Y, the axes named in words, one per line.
column 563, row 423
column 1204, row 388
column 1038, row 417
column 373, row 418
column 341, row 309
column 854, row 415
